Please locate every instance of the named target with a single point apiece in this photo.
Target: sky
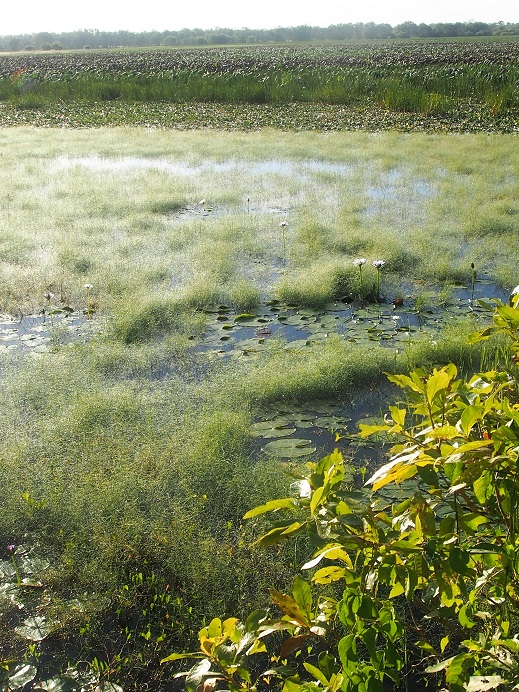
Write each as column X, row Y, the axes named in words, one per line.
column 31, row 16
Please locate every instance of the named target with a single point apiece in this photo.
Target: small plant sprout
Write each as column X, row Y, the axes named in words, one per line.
column 283, row 225
column 11, row 550
column 88, row 288
column 473, row 281
column 378, row 264
column 360, row 262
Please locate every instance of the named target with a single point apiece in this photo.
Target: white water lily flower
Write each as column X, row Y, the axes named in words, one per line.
column 301, row 488
column 515, row 291
column 88, row 286
column 378, row 263
column 283, row 224
column 359, row 261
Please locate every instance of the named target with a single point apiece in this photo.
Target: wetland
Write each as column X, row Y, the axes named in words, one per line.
column 187, row 319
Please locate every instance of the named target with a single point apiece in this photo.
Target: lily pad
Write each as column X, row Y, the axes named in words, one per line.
column 22, row 675
column 7, row 570
column 60, row 683
column 297, row 344
column 34, row 629
column 289, row 448
column 245, row 317
column 280, row 431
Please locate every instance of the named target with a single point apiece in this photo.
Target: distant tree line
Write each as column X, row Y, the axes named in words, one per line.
column 194, row 37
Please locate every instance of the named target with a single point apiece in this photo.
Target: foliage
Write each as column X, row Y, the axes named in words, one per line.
column 440, row 566
column 92, row 38
column 431, row 79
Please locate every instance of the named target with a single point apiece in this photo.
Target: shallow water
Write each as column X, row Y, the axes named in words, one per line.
column 324, row 426
column 39, row 333
column 231, row 334
column 127, row 164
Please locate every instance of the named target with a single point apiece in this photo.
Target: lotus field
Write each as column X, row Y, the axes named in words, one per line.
column 459, row 85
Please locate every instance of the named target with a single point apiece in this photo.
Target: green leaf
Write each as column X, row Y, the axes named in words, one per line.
column 470, row 416
column 318, row 675
column 197, row 674
column 406, row 382
column 279, row 533
column 484, row 487
column 436, row 383
column 438, row 667
column 367, row 430
column 215, row 628
column 348, row 650
column 254, row 620
column 397, row 590
column 272, row 505
column 369, row 637
column 302, row 594
column 459, row 560
column 326, row 575
column 464, row 616
column 398, row 414
column 177, row 657
column 457, row 670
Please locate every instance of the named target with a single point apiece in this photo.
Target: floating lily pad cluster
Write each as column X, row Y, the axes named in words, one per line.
column 233, row 334
column 39, row 333
column 25, row 597
column 320, row 427
column 298, row 432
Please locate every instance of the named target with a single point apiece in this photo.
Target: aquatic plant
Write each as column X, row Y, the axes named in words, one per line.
column 89, row 310
column 378, row 264
column 360, row 262
column 283, row 225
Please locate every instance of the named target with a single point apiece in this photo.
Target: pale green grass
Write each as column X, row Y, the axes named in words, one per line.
column 107, row 210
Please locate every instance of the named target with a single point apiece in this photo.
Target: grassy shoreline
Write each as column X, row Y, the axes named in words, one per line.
column 426, row 86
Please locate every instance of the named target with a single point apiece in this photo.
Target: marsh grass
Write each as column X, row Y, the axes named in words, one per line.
column 427, row 89
column 135, row 450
